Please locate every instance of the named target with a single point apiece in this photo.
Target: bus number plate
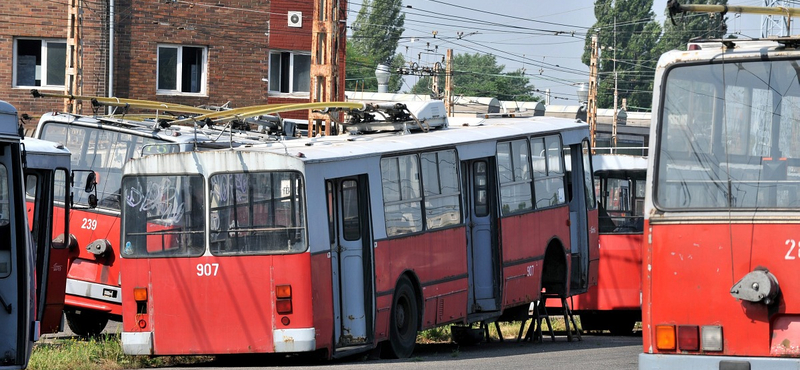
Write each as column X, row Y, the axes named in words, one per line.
column 207, row 269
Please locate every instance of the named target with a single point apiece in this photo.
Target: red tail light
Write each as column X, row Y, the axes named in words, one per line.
column 283, row 299
column 688, row 337
column 284, row 306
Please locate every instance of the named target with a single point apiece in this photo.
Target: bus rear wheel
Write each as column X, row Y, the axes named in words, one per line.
column 403, row 322
column 86, row 323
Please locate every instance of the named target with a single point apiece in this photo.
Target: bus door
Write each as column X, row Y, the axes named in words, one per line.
column 482, row 246
column 49, row 226
column 351, row 259
column 583, row 220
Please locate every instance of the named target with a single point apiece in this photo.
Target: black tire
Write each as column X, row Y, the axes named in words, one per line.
column 403, row 322
column 86, row 323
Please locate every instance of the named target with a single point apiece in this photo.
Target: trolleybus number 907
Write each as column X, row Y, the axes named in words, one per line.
column 207, row 269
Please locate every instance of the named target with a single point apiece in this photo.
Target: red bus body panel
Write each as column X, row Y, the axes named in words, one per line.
column 440, row 263
column 88, row 267
column 232, row 310
column 56, row 275
column 619, row 282
column 524, row 243
column 699, row 264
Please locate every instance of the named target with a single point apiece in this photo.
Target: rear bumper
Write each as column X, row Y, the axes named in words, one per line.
column 700, row 362
column 294, row 340
column 134, row 343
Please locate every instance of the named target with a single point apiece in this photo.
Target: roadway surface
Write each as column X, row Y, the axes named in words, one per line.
column 593, row 352
column 598, row 351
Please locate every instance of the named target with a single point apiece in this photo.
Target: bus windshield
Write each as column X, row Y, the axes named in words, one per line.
column 257, row 213
column 164, row 216
column 104, row 152
column 727, row 137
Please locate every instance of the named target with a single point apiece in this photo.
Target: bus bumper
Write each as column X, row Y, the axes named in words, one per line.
column 137, row 343
column 294, row 340
column 649, row 361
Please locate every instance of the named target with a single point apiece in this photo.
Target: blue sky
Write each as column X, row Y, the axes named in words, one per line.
column 520, row 34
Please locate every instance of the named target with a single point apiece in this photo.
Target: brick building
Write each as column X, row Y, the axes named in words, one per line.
column 191, row 52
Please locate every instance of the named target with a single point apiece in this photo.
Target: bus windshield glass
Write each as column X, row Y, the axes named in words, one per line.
column 728, row 137
column 104, row 152
column 164, row 216
column 257, row 213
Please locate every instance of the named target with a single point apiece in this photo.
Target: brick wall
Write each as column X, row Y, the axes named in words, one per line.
column 48, row 19
column 238, row 35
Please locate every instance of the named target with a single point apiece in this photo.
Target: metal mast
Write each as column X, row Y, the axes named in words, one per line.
column 774, row 25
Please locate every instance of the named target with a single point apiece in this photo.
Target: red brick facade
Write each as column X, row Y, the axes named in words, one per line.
column 237, row 34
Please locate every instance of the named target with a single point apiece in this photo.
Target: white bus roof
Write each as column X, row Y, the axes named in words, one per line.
column 45, row 154
column 462, row 132
column 618, row 162
column 8, row 120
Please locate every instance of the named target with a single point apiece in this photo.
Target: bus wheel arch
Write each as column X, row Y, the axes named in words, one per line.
column 86, row 323
column 405, row 318
column 554, row 269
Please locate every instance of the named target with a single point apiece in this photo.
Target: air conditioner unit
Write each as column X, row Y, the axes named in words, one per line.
column 295, row 19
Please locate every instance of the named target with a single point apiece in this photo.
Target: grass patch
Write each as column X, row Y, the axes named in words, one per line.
column 101, row 353
column 508, row 330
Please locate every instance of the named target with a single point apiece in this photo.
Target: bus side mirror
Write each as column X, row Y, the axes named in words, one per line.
column 91, row 182
column 92, row 201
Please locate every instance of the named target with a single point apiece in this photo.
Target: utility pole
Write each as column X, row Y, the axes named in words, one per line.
column 73, row 83
column 326, row 43
column 614, row 123
column 448, row 83
column 591, row 106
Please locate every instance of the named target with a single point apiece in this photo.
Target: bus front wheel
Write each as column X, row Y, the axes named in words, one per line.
column 403, row 322
column 86, row 323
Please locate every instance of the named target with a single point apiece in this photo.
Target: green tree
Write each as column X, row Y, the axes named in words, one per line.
column 480, row 75
column 376, row 32
column 628, row 35
column 692, row 25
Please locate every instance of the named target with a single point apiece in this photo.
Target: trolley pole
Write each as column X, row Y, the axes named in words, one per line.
column 591, row 106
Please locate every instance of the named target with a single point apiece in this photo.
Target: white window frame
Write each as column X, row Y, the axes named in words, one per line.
column 43, row 69
column 178, row 74
column 275, row 86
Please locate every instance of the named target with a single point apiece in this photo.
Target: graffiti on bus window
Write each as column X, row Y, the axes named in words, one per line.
column 161, row 199
column 224, row 186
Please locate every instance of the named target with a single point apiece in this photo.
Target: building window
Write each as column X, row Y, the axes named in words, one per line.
column 40, row 62
column 181, row 69
column 289, row 72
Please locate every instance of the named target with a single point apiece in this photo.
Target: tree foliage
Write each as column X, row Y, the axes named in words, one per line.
column 376, row 32
column 628, row 35
column 480, row 75
column 692, row 25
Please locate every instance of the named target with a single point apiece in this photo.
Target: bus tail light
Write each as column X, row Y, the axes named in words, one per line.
column 140, row 294
column 665, row 337
column 688, row 337
column 283, row 302
column 283, row 291
column 711, row 338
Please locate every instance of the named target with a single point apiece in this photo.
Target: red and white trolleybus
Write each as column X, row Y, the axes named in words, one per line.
column 340, row 243
column 102, row 145
column 722, row 208
column 615, row 303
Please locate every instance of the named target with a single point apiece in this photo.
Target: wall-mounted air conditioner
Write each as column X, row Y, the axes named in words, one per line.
column 295, row 19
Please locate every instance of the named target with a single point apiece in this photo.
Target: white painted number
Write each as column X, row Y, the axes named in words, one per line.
column 792, row 244
column 531, row 269
column 207, row 269
column 89, row 224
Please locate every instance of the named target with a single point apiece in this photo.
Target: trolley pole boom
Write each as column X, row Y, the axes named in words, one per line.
column 674, row 8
